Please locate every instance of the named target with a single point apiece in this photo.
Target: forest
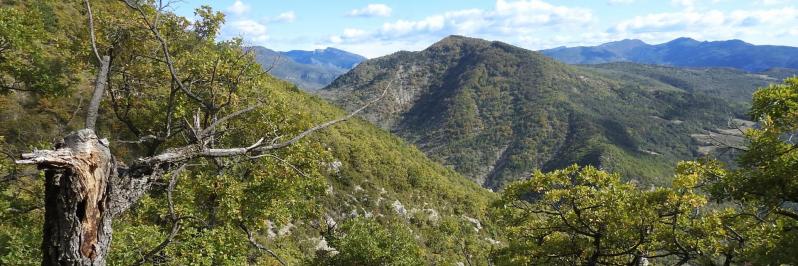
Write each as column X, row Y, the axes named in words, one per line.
column 131, row 135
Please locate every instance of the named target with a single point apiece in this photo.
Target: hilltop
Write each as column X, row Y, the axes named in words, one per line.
column 494, row 112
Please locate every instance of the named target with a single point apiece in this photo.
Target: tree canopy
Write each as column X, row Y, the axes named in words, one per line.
column 710, row 214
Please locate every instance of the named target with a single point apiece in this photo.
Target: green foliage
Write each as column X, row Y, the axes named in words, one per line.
column 21, row 213
column 573, row 216
column 364, row 241
column 34, row 55
column 763, row 183
column 777, row 106
column 352, row 167
column 766, row 170
column 587, row 216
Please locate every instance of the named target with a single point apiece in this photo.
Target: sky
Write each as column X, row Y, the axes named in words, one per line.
column 377, row 28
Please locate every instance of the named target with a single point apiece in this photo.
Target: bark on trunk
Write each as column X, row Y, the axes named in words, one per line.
column 77, row 227
column 84, row 189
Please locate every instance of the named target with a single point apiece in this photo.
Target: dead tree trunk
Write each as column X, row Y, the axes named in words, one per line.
column 77, row 189
column 84, row 189
column 77, row 229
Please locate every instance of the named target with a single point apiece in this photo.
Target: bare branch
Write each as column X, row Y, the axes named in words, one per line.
column 274, row 63
column 102, row 75
column 56, row 158
column 153, row 27
column 260, row 246
column 326, row 124
column 205, row 132
column 170, row 189
column 787, row 213
column 143, row 139
column 91, row 32
column 160, row 247
column 718, row 141
column 175, row 219
column 99, row 89
column 198, row 150
column 283, row 161
column 123, row 115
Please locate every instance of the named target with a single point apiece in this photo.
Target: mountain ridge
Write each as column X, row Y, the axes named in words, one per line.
column 309, row 70
column 683, row 52
column 495, row 112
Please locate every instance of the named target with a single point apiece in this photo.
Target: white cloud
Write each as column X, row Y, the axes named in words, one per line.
column 539, row 13
column 540, row 24
column 238, row 8
column 248, row 26
column 690, row 20
column 751, row 25
column 288, row 16
column 336, row 39
column 372, row 10
column 685, row 3
column 771, row 2
column 663, row 22
column 250, row 30
column 793, row 31
column 354, row 33
column 508, row 19
column 429, row 24
column 693, row 4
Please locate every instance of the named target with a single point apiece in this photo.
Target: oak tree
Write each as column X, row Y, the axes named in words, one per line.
column 178, row 98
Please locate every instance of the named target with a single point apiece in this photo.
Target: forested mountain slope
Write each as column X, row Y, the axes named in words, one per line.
column 130, row 135
column 730, row 84
column 494, row 112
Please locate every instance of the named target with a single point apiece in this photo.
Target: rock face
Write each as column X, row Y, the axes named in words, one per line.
column 495, row 112
column 399, row 208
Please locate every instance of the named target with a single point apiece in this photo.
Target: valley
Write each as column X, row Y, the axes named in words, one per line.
column 166, row 133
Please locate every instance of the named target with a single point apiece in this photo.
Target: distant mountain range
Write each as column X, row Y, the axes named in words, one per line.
column 683, row 52
column 309, row 70
column 495, row 112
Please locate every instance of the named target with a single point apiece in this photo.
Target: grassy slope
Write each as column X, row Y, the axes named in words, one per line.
column 376, row 170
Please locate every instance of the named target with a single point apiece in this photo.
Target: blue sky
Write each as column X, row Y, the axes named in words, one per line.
column 376, row 28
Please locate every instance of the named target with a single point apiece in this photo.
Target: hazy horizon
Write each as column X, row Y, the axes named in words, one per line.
column 378, row 28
